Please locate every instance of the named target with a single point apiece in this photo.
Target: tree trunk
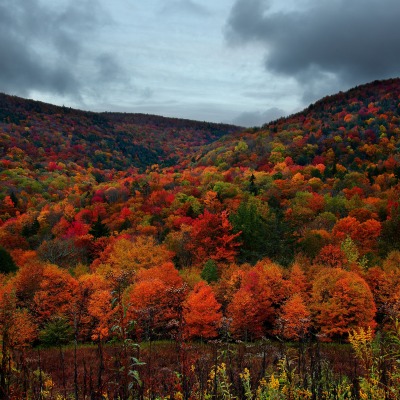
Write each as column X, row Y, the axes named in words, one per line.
column 3, row 371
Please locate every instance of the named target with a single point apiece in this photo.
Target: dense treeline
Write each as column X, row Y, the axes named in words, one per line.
column 288, row 231
column 43, row 134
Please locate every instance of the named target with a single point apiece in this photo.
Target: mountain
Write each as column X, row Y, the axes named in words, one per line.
column 285, row 186
column 116, row 227
column 46, row 133
column 358, row 129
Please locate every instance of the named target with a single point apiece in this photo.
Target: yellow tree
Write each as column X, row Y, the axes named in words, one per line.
column 125, row 255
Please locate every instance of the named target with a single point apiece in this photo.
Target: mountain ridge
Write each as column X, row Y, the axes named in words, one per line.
column 165, row 140
column 133, row 140
column 322, row 123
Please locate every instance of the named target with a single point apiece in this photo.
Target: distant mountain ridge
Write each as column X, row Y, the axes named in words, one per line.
column 341, row 125
column 105, row 140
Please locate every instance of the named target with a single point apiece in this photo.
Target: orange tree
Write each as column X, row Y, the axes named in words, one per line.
column 341, row 300
column 255, row 304
column 294, row 320
column 202, row 312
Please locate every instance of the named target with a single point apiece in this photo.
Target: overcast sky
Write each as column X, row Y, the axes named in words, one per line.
column 237, row 61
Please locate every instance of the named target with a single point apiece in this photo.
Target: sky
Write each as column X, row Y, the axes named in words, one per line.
column 234, row 61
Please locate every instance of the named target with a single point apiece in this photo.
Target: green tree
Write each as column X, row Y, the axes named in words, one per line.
column 7, row 263
column 57, row 332
column 31, row 228
column 264, row 233
column 210, row 271
column 390, row 239
column 14, row 198
column 249, row 220
column 252, row 185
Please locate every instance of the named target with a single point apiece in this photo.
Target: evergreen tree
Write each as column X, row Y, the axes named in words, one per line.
column 14, row 199
column 7, row 264
column 31, row 229
column 263, row 234
column 57, row 332
column 253, row 226
column 210, row 271
column 252, row 187
column 99, row 229
column 390, row 239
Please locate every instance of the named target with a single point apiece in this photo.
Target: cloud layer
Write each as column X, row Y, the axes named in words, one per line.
column 179, row 7
column 46, row 48
column 179, row 57
column 322, row 44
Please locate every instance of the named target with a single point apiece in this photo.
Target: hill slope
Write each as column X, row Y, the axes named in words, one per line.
column 289, row 231
column 358, row 129
column 46, row 133
column 297, row 178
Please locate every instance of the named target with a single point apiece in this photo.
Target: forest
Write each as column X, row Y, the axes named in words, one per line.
column 144, row 257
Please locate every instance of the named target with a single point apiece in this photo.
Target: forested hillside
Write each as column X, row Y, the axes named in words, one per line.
column 202, row 231
column 46, row 134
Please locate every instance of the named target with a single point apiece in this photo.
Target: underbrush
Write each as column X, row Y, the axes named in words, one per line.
column 367, row 368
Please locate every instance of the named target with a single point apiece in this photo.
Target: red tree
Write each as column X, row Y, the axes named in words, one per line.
column 212, row 238
column 254, row 306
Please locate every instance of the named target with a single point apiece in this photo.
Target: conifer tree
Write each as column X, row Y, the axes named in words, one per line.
column 99, row 229
column 7, row 263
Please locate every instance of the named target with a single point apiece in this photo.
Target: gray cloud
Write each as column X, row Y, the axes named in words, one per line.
column 21, row 71
column 42, row 47
column 326, row 45
column 21, row 66
column 250, row 119
column 108, row 68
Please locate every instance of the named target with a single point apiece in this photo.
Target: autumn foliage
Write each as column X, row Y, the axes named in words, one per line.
column 341, row 300
column 202, row 313
column 111, row 224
